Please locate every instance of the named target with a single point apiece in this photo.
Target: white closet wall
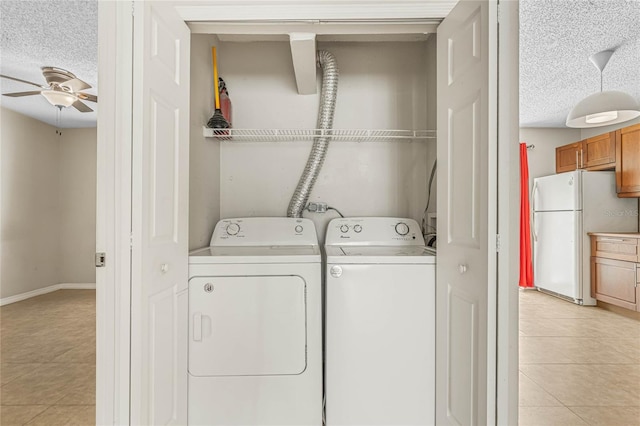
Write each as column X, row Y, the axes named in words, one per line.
column 383, row 85
column 204, row 154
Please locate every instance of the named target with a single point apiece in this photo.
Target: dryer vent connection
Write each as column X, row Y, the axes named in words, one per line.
column 327, row 62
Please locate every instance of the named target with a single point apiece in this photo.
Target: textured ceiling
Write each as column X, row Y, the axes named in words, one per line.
column 57, row 33
column 556, row 39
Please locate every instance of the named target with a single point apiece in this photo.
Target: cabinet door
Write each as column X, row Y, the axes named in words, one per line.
column 599, row 152
column 628, row 161
column 567, row 157
column 614, row 282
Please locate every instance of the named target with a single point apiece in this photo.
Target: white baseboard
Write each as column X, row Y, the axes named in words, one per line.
column 45, row 290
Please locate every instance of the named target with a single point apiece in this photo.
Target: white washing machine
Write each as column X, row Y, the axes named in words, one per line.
column 380, row 323
column 255, row 329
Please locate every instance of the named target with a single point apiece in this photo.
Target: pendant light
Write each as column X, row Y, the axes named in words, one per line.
column 603, row 108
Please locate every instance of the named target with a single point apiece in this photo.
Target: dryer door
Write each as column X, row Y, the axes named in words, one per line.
column 247, row 325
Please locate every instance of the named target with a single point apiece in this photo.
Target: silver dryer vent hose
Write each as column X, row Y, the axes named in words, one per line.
column 327, row 62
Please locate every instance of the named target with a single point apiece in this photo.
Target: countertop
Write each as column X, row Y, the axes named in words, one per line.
column 616, row 234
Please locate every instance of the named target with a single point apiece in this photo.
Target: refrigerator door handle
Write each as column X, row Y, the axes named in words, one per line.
column 533, row 203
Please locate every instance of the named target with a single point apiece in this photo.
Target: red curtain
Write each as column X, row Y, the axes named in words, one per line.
column 526, row 266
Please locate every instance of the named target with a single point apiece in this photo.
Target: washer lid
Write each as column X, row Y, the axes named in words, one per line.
column 380, row 254
column 256, row 254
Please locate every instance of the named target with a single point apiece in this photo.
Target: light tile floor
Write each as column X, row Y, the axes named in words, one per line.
column 579, row 365
column 47, row 360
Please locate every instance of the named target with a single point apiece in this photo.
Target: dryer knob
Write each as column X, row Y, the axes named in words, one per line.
column 357, row 228
column 233, row 229
column 299, row 228
column 402, row 228
column 344, row 228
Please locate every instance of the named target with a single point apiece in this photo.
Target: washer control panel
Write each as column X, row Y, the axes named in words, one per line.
column 264, row 231
column 383, row 231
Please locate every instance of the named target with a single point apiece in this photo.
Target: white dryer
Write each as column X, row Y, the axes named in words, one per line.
column 255, row 329
column 380, row 323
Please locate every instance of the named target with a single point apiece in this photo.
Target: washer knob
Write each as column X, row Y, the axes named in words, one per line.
column 402, row 228
column 344, row 228
column 233, row 229
column 299, row 228
column 357, row 228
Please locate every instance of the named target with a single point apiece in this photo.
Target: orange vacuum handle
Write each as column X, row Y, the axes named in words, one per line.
column 215, row 77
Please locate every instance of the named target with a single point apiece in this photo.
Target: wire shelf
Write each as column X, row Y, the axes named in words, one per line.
column 290, row 135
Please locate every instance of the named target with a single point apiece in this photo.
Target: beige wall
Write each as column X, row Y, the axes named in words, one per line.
column 47, row 205
column 542, row 158
column 30, row 213
column 77, row 205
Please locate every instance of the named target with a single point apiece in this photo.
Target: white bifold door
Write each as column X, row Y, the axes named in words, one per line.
column 467, row 203
column 159, row 215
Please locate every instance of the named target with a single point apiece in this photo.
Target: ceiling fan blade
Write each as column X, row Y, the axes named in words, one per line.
column 81, row 106
column 87, row 97
column 75, row 85
column 22, row 81
column 18, row 94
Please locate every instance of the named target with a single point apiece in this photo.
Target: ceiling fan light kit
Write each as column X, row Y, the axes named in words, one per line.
column 63, row 89
column 59, row 98
column 603, row 108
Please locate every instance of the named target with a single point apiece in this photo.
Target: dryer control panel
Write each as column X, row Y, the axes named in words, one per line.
column 264, row 231
column 374, row 231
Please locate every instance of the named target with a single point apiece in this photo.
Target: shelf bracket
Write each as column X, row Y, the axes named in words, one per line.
column 303, row 53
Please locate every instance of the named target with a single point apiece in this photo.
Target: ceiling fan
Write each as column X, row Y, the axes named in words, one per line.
column 63, row 90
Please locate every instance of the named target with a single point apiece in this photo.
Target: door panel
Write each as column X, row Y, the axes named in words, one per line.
column 160, row 160
column 247, row 326
column 556, row 252
column 557, row 192
column 466, row 269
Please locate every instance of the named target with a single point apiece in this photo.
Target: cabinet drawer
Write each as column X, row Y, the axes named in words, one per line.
column 617, row 248
column 614, row 281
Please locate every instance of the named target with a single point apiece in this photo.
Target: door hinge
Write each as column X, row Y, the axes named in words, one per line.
column 100, row 259
column 130, row 240
column 498, row 243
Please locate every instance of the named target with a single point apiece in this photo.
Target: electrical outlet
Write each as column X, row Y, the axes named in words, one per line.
column 318, row 207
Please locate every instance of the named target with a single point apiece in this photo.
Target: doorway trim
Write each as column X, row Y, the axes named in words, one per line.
column 113, row 211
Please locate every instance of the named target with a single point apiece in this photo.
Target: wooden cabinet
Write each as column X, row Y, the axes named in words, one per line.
column 628, row 161
column 568, row 157
column 599, row 152
column 596, row 153
column 615, row 269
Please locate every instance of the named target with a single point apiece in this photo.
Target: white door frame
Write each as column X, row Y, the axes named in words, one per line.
column 114, row 189
column 113, row 230
column 506, row 300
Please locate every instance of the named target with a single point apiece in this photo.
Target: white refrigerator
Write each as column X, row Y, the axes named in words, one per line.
column 566, row 206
